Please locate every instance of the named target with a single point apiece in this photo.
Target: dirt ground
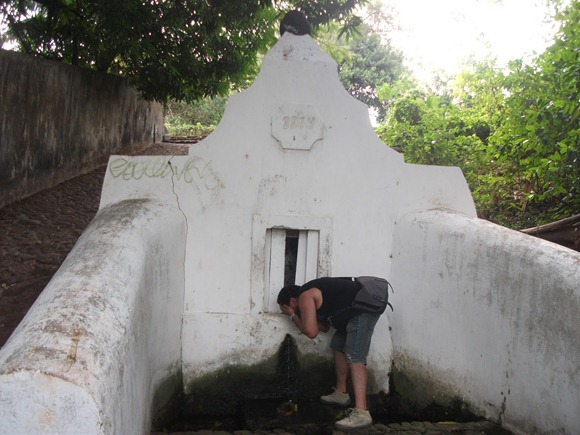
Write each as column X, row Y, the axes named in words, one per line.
column 38, row 232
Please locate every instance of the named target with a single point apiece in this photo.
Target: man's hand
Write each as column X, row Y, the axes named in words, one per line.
column 287, row 309
column 303, row 312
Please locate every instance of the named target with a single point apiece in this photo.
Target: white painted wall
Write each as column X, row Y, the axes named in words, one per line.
column 295, row 150
column 105, row 332
column 490, row 315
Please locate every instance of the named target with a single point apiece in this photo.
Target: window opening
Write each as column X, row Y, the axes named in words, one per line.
column 292, row 258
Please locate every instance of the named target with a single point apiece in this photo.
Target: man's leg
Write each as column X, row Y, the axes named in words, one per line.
column 358, row 376
column 341, row 369
column 358, row 340
column 359, row 417
column 339, row 396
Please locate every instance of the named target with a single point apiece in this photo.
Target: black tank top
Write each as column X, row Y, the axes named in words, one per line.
column 337, row 297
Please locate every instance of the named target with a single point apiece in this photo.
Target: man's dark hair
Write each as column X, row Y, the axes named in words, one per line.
column 290, row 291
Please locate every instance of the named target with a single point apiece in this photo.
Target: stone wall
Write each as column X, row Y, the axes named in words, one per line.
column 489, row 316
column 99, row 352
column 59, row 121
column 294, row 155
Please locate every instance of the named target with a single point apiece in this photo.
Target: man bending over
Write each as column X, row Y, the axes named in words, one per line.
column 323, row 303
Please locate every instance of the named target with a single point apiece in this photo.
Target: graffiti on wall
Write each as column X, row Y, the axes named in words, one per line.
column 194, row 172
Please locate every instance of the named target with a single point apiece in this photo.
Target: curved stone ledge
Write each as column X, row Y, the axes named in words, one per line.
column 491, row 315
column 105, row 332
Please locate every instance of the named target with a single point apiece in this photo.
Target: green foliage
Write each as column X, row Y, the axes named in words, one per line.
column 365, row 57
column 182, row 50
column 206, row 112
column 539, row 138
column 371, row 64
column 328, row 40
column 515, row 133
column 194, row 119
column 177, row 126
column 430, row 129
column 366, row 60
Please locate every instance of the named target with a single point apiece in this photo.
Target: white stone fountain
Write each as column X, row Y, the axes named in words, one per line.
column 177, row 276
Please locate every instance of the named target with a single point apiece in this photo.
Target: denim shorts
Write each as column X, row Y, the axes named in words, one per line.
column 356, row 341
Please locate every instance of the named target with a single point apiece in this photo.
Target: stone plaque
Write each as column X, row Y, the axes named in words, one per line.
column 297, row 126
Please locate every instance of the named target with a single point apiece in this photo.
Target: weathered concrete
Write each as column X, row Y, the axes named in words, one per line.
column 105, row 333
column 488, row 315
column 59, row 121
column 294, row 151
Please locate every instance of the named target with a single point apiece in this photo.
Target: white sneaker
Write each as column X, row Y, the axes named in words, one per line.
column 336, row 398
column 356, row 419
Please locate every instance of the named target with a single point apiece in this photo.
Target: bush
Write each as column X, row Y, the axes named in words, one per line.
column 194, row 119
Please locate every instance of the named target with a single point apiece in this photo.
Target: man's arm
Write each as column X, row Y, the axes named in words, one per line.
column 307, row 322
column 297, row 320
column 304, row 315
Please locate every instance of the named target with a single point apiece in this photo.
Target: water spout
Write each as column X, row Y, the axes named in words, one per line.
column 287, row 368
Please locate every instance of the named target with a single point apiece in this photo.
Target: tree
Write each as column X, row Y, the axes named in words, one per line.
column 182, row 49
column 539, row 137
column 429, row 127
column 372, row 60
column 515, row 133
column 371, row 64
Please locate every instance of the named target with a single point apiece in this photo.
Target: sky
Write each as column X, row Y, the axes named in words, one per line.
column 439, row 34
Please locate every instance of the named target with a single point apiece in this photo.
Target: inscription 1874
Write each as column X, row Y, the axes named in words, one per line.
column 297, row 126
